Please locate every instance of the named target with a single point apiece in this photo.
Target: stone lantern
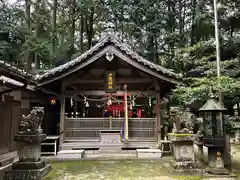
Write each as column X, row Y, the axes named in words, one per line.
column 214, row 135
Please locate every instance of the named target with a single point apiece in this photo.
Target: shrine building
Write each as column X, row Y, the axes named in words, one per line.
column 107, row 88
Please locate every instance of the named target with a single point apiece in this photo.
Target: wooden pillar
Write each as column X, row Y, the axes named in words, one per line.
column 62, row 115
column 157, row 108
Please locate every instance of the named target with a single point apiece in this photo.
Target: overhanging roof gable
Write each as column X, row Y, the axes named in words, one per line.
column 108, row 44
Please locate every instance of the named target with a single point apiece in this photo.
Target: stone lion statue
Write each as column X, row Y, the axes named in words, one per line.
column 32, row 123
column 180, row 122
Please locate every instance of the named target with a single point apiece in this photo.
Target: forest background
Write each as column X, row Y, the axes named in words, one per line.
column 177, row 34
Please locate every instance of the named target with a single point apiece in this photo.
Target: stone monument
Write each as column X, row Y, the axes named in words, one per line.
column 30, row 166
column 183, row 152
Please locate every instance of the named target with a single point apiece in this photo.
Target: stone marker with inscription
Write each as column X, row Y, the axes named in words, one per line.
column 183, row 152
column 30, row 166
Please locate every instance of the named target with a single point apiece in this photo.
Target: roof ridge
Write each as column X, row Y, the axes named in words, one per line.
column 117, row 42
column 14, row 68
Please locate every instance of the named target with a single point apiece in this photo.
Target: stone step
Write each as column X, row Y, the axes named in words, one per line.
column 149, row 153
column 104, row 151
column 111, row 156
column 7, row 158
column 70, row 154
column 97, row 144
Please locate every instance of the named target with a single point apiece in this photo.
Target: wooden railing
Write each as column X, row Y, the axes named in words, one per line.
column 89, row 128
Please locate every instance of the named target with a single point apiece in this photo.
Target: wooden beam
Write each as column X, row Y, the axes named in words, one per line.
column 62, row 114
column 120, row 80
column 102, row 93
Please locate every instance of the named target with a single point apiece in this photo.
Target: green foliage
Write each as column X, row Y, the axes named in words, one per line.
column 176, row 34
column 199, row 89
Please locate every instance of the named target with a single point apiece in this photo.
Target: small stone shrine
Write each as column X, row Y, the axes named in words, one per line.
column 30, row 166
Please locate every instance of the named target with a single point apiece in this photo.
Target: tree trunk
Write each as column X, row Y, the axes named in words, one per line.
column 181, row 21
column 27, row 13
column 90, row 32
column 194, row 4
column 89, row 27
column 81, row 32
column 72, row 31
column 54, row 17
column 28, row 59
column 156, row 51
column 171, row 30
column 37, row 32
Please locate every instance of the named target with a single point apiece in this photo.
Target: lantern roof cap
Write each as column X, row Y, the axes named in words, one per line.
column 212, row 105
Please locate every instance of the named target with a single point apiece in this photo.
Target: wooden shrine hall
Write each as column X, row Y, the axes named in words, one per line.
column 108, row 88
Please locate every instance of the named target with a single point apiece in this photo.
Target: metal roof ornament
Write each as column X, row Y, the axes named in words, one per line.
column 109, row 28
column 108, row 31
column 109, row 56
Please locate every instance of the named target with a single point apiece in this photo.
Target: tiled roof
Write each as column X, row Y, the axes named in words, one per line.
column 17, row 73
column 108, row 38
column 5, row 79
column 14, row 69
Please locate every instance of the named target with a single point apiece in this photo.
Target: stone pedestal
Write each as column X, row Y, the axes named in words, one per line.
column 183, row 152
column 29, row 166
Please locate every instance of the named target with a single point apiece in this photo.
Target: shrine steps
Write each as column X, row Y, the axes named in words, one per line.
column 96, row 145
column 70, row 154
column 97, row 150
column 149, row 153
column 111, row 154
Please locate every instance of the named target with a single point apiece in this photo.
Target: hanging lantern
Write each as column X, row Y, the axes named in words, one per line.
column 53, row 101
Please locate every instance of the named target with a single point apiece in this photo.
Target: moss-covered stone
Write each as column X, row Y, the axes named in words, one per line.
column 180, row 134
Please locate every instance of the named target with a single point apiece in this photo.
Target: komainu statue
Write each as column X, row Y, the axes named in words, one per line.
column 32, row 123
column 181, row 123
